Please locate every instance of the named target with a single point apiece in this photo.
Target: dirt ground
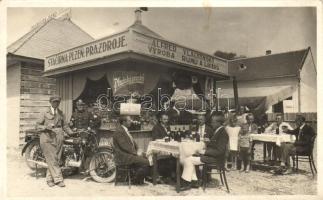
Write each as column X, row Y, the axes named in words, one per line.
column 22, row 183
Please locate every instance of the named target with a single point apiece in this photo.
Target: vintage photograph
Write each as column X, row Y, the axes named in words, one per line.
column 161, row 101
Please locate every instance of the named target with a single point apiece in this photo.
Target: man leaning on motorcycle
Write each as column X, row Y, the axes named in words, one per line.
column 52, row 128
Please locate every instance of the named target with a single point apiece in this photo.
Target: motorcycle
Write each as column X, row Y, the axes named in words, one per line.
column 82, row 151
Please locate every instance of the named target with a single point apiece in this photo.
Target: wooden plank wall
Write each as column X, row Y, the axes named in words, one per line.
column 35, row 91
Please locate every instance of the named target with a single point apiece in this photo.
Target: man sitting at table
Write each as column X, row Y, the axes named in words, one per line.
column 250, row 127
column 214, row 152
column 276, row 127
column 203, row 129
column 304, row 134
column 127, row 152
column 166, row 164
column 161, row 129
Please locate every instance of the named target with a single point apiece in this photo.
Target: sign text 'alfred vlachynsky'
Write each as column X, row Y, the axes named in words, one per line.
column 177, row 53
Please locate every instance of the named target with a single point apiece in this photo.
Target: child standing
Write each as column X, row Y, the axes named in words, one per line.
column 233, row 131
column 245, row 150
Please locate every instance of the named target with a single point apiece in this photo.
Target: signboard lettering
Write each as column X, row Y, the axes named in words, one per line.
column 139, row 43
column 87, row 52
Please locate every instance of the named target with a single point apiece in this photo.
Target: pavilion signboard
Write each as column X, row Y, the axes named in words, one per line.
column 132, row 41
column 176, row 53
column 94, row 50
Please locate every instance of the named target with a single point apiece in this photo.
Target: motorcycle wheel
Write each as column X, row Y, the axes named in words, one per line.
column 102, row 167
column 33, row 152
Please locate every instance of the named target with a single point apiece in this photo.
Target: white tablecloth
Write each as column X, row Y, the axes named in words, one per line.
column 179, row 150
column 278, row 139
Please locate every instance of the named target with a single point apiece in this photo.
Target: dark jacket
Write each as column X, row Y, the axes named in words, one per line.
column 216, row 148
column 304, row 137
column 125, row 150
column 208, row 131
column 159, row 132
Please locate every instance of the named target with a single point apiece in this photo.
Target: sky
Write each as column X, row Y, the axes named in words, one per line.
column 245, row 31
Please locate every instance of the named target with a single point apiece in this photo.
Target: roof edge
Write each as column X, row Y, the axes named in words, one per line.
column 238, row 59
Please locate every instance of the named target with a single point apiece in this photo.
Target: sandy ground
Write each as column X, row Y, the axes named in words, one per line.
column 22, row 183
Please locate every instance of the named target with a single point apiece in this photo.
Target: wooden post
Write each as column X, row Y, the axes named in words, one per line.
column 236, row 96
column 215, row 100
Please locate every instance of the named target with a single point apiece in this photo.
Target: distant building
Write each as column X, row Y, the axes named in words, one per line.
column 282, row 82
column 28, row 91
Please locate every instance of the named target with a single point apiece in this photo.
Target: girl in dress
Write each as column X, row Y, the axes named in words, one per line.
column 233, row 130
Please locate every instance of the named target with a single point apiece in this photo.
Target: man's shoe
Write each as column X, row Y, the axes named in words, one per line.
column 185, row 185
column 60, row 184
column 50, row 183
column 288, row 171
column 195, row 184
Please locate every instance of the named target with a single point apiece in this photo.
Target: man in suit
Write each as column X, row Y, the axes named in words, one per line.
column 214, row 152
column 203, row 129
column 161, row 129
column 127, row 152
column 51, row 125
column 166, row 164
column 304, row 134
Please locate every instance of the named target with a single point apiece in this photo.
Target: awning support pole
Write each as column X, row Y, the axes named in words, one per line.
column 215, row 99
column 235, row 92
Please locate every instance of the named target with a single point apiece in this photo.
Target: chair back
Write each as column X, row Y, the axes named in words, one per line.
column 312, row 143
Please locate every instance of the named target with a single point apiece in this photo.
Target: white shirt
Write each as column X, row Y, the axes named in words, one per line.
column 301, row 127
column 272, row 128
column 130, row 136
column 201, row 130
column 233, row 133
column 54, row 110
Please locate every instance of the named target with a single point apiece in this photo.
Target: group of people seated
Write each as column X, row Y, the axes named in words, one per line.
column 223, row 138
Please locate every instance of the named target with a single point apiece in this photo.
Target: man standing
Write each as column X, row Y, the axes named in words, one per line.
column 204, row 130
column 52, row 127
column 214, row 152
column 304, row 134
column 126, row 150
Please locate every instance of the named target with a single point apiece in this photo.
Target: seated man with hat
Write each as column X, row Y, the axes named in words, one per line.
column 52, row 127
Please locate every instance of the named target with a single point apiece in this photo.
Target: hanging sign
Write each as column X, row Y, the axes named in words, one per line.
column 128, row 82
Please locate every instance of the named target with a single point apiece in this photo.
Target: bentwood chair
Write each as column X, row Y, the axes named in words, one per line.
column 123, row 170
column 306, row 157
column 220, row 169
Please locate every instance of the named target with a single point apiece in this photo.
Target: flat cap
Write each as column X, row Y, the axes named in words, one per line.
column 54, row 98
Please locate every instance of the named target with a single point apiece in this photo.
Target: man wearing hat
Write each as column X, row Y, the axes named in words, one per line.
column 52, row 127
column 83, row 119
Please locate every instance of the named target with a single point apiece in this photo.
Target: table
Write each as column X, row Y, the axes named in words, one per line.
column 179, row 150
column 272, row 138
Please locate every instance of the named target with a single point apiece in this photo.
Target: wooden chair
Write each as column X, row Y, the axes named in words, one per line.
column 123, row 169
column 306, row 157
column 207, row 169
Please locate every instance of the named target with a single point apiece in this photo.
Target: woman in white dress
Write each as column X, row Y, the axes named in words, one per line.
column 233, row 130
